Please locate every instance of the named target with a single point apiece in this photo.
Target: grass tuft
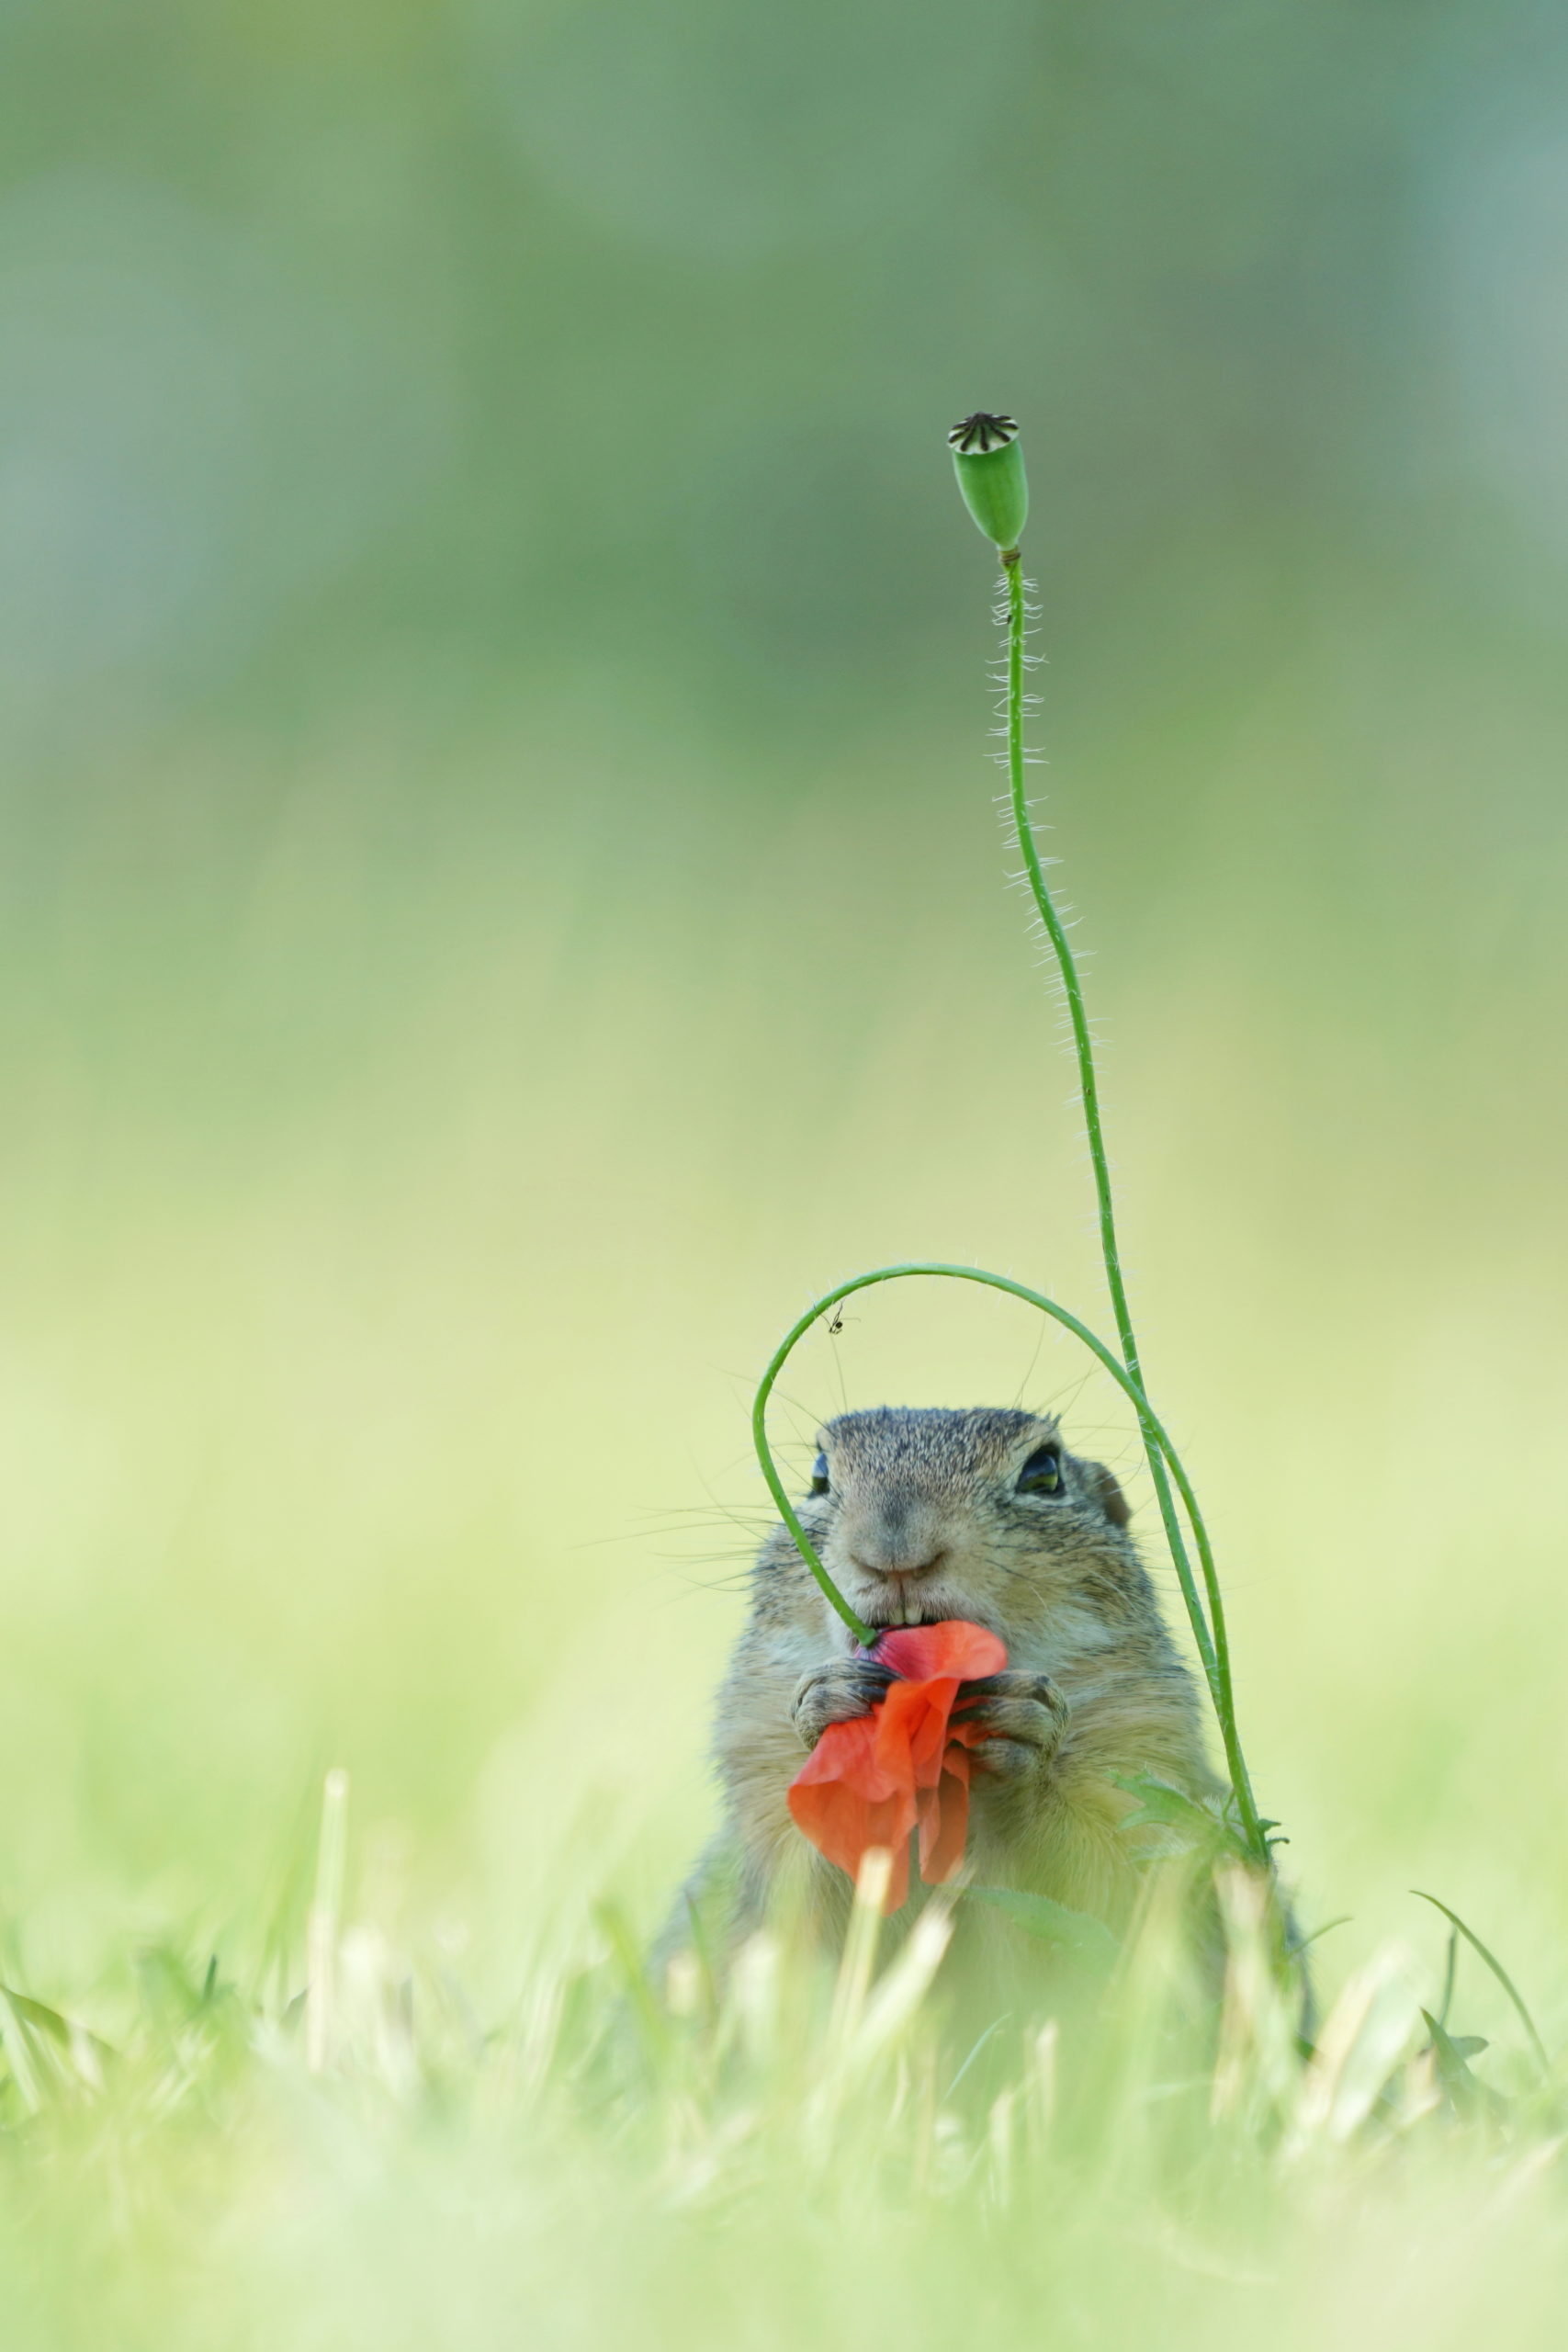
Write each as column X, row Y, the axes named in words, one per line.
column 804, row 2155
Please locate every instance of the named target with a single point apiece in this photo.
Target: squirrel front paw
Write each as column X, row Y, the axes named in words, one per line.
column 837, row 1692
column 1024, row 1717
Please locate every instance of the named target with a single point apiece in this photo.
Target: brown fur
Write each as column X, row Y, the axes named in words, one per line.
column 923, row 1520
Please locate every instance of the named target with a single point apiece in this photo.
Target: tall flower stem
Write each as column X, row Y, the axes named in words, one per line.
column 1210, row 1632
column 988, row 464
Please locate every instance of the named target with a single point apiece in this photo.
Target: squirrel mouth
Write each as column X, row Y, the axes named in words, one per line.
column 889, row 1611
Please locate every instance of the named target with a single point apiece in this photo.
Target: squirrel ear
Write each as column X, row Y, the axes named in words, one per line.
column 1113, row 1501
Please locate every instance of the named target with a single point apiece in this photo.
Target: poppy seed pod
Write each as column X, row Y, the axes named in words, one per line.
column 990, row 465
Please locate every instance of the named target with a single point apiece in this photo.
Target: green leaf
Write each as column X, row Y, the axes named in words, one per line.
column 1165, row 1807
column 1498, row 1970
column 1053, row 1922
column 1454, row 2051
column 626, row 1962
column 42, row 2019
column 45, row 2020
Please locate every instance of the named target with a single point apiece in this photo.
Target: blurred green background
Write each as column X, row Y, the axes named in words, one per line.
column 502, row 900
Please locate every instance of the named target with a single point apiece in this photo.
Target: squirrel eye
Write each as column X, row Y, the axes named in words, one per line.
column 1042, row 1474
column 819, row 1474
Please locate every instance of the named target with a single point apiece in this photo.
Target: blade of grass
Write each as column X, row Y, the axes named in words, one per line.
column 1498, row 1970
column 1451, row 1969
column 325, row 1917
column 1327, row 1928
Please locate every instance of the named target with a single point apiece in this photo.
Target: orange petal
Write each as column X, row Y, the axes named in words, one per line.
column 842, row 1824
column 873, row 1780
column 848, row 1752
column 955, row 1646
column 844, row 1803
column 944, row 1829
column 911, row 1729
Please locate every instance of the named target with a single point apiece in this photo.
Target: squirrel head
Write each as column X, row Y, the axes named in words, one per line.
column 924, row 1514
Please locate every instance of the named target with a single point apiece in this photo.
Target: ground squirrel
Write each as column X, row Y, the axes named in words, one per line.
column 921, row 1515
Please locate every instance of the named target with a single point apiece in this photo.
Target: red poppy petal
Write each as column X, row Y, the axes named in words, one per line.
column 927, row 1733
column 941, row 1850
column 955, row 1646
column 930, row 1804
column 842, row 1824
column 873, row 1780
column 850, row 1752
column 844, row 1800
column 911, row 1730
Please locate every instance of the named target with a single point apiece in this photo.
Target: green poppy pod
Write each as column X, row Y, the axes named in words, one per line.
column 990, row 465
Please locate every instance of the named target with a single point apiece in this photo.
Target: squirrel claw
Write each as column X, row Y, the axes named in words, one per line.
column 837, row 1692
column 1024, row 1717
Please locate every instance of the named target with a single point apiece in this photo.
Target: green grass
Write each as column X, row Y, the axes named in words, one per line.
column 262, row 2149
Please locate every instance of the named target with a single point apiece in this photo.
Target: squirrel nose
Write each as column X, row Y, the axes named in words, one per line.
column 899, row 1560
column 894, row 1536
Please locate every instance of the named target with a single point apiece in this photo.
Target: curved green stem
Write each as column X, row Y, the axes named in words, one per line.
column 1216, row 1662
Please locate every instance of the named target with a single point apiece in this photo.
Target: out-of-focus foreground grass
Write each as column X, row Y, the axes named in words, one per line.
column 498, row 905
column 793, row 2157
